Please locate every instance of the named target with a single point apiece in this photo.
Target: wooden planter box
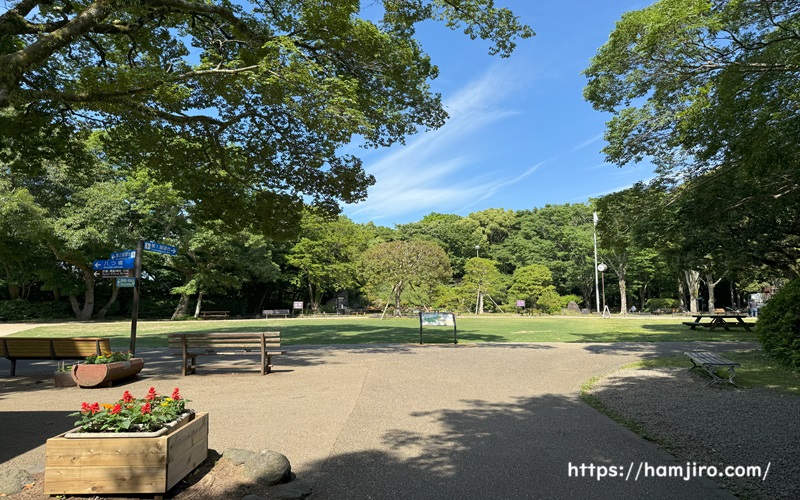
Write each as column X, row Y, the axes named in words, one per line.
column 110, row 465
column 103, row 374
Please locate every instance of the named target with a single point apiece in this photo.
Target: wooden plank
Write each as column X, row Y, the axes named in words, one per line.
column 186, row 453
column 104, row 480
column 145, row 452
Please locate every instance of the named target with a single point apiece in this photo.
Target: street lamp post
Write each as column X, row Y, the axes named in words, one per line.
column 596, row 287
column 477, row 250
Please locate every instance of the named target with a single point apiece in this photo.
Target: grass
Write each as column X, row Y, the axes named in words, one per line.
column 353, row 330
column 757, row 370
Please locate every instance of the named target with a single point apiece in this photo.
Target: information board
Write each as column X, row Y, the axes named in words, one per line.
column 437, row 319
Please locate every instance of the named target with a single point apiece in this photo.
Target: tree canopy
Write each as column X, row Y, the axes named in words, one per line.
column 242, row 107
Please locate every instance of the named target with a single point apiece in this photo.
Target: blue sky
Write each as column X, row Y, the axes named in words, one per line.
column 520, row 134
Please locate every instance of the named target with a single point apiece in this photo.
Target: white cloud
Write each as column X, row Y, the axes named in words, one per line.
column 429, row 172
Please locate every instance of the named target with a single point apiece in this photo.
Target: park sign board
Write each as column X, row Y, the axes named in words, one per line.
column 437, row 319
column 297, row 304
column 102, row 265
column 152, row 246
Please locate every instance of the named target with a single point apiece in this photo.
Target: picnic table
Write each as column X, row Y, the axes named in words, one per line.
column 719, row 321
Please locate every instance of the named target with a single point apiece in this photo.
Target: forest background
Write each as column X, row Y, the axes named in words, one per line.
column 111, row 133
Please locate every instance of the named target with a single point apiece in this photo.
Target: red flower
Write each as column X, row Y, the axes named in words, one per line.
column 151, row 394
column 127, row 397
column 146, row 409
column 95, row 408
column 85, row 408
column 176, row 394
column 116, row 409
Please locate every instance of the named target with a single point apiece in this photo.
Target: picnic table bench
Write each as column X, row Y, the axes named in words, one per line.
column 192, row 345
column 276, row 312
column 710, row 362
column 719, row 321
column 214, row 314
column 14, row 348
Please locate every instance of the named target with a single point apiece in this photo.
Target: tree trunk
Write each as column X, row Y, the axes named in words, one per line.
column 479, row 307
column 623, row 299
column 311, row 297
column 199, row 305
column 101, row 314
column 56, row 294
column 693, row 285
column 84, row 313
column 398, row 291
column 681, row 295
column 182, row 308
column 711, row 297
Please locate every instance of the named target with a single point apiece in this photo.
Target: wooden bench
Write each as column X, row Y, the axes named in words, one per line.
column 710, row 362
column 192, row 345
column 14, row 348
column 214, row 314
column 276, row 312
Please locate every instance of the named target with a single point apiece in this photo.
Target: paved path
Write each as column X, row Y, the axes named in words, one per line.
column 403, row 421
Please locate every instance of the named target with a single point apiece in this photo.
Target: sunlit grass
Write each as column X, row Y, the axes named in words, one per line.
column 361, row 330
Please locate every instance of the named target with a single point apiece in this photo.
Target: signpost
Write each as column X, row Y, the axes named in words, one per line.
column 152, row 246
column 102, row 265
column 126, row 282
column 124, row 254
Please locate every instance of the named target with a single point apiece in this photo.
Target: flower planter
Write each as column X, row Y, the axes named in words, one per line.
column 107, row 463
column 101, row 375
column 63, row 379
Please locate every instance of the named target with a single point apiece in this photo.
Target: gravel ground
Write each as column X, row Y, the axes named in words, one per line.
column 717, row 425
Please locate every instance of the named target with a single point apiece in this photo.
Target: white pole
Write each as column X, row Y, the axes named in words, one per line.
column 596, row 284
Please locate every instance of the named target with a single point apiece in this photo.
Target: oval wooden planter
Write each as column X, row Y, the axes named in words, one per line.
column 102, row 375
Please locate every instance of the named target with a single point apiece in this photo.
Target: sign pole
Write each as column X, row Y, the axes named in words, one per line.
column 137, row 275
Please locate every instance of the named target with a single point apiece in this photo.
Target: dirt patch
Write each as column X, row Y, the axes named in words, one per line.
column 214, row 479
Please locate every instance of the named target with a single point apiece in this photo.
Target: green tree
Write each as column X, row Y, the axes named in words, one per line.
column 708, row 92
column 481, row 279
column 530, row 282
column 243, row 108
column 326, row 256
column 417, row 267
column 460, row 237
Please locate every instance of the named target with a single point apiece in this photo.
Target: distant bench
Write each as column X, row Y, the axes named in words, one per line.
column 192, row 345
column 276, row 312
column 710, row 362
column 214, row 314
column 14, row 348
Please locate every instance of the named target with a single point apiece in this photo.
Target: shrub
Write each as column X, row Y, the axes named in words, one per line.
column 566, row 299
column 549, row 301
column 659, row 303
column 778, row 326
column 17, row 310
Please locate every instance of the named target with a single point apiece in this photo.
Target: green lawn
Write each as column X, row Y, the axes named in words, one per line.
column 392, row 331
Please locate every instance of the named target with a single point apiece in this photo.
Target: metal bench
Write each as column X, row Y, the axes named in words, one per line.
column 710, row 362
column 14, row 348
column 276, row 312
column 192, row 345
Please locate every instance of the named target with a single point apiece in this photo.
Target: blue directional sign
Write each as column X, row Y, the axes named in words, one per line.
column 126, row 282
column 124, row 254
column 152, row 246
column 100, row 265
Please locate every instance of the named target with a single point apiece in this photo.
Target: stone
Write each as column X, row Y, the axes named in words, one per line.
column 237, row 456
column 13, row 480
column 573, row 306
column 295, row 490
column 268, row 467
column 252, row 497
